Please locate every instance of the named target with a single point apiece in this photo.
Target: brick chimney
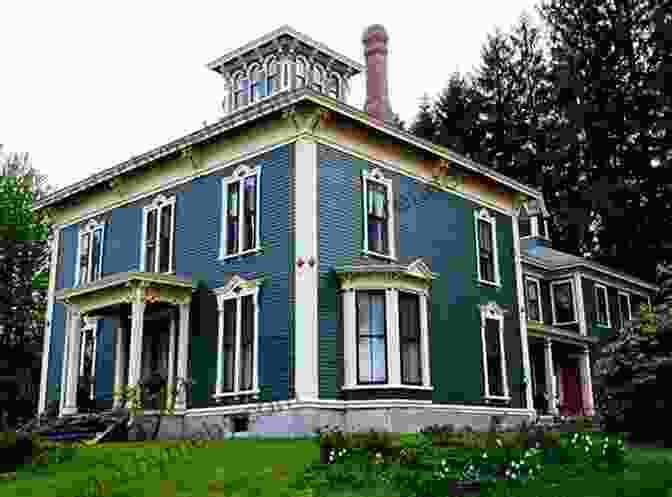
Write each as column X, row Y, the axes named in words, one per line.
column 375, row 52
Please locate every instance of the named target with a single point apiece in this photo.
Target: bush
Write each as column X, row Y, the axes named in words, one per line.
column 16, row 450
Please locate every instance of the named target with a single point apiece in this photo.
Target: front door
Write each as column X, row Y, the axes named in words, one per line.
column 571, row 391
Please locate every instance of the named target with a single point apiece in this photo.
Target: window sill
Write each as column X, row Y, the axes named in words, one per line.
column 380, row 256
column 497, row 397
column 235, row 394
column 386, row 386
column 240, row 254
column 602, row 325
column 494, row 284
column 564, row 324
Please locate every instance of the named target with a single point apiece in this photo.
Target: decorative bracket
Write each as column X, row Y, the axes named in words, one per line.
column 307, row 121
column 187, row 152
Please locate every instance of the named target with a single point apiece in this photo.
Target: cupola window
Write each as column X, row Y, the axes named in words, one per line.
column 300, row 73
column 334, row 89
column 318, row 80
column 240, row 93
column 273, row 72
column 258, row 82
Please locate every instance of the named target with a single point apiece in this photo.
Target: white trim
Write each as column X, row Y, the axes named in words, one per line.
column 376, row 175
column 387, row 386
column 241, row 288
column 599, row 286
column 159, row 203
column 349, row 337
column 557, row 283
column 392, row 339
column 237, row 393
column 46, row 344
column 580, row 305
column 620, row 309
column 492, row 311
column 618, row 287
column 89, row 229
column 539, row 308
column 238, row 175
column 484, row 215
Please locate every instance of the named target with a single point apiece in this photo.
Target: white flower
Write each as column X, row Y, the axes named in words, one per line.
column 499, row 442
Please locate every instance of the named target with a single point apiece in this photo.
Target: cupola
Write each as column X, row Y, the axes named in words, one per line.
column 533, row 224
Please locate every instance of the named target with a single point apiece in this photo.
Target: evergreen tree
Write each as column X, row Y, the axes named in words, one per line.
column 423, row 125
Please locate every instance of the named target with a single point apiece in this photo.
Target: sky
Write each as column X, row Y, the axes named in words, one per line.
column 87, row 85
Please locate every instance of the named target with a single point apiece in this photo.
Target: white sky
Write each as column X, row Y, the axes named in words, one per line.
column 87, row 85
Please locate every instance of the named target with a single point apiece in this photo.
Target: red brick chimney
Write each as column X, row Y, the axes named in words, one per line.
column 375, row 52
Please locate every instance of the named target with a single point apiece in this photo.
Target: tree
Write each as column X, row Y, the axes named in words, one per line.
column 423, row 124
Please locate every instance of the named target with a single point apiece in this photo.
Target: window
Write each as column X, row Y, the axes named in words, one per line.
column 486, row 243
column 334, row 87
column 562, row 302
column 273, row 76
column 624, row 307
column 533, row 299
column 90, row 254
column 87, row 358
column 371, row 326
column 524, row 226
column 494, row 360
column 240, row 91
column 541, row 226
column 257, row 84
column 300, row 73
column 318, row 79
column 237, row 338
column 409, row 338
column 240, row 224
column 601, row 305
column 378, row 235
column 158, row 236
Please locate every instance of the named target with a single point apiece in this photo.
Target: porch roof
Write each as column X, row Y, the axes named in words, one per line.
column 543, row 330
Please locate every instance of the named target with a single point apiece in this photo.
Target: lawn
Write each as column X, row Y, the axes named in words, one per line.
column 269, row 468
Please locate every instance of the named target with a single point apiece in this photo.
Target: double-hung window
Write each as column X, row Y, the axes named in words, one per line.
column 378, row 215
column 409, row 338
column 90, row 254
column 158, row 236
column 238, row 339
column 486, row 245
column 494, row 360
column 562, row 302
column 533, row 299
column 624, row 308
column 601, row 304
column 240, row 224
column 371, row 337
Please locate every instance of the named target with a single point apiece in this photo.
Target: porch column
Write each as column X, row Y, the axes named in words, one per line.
column 120, row 359
column 550, row 376
column 183, row 356
column 586, row 383
column 70, row 406
column 137, row 322
column 171, row 350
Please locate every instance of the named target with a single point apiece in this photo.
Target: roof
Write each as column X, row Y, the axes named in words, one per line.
column 355, row 67
column 281, row 102
column 554, row 260
column 404, row 264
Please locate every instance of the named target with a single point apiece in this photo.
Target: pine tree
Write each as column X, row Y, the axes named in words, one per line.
column 423, row 125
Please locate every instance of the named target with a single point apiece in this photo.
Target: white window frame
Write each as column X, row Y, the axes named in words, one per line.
column 491, row 311
column 538, row 285
column 239, row 174
column 601, row 287
column 267, row 65
column 250, row 71
column 90, row 228
column 574, row 304
column 236, row 289
column 90, row 326
column 620, row 309
column 484, row 215
column 159, row 203
column 376, row 175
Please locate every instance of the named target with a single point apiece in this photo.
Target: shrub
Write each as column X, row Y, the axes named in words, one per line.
column 16, row 450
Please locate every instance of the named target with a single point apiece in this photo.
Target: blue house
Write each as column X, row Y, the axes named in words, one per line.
column 309, row 263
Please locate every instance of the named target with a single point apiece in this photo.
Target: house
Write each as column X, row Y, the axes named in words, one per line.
column 312, row 263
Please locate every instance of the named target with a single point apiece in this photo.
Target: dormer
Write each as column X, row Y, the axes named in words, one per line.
column 533, row 224
column 278, row 62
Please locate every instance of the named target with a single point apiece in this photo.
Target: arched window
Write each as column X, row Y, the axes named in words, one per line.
column 300, row 73
column 273, row 78
column 318, row 79
column 258, row 83
column 240, row 91
column 334, row 87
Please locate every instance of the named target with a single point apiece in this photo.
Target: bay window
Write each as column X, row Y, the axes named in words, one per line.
column 562, row 302
column 378, row 214
column 240, row 223
column 409, row 338
column 89, row 262
column 158, row 236
column 371, row 355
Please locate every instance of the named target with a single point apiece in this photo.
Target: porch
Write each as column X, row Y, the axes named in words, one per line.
column 150, row 316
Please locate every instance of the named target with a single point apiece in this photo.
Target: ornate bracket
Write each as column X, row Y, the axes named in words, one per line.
column 119, row 186
column 187, row 152
column 307, row 121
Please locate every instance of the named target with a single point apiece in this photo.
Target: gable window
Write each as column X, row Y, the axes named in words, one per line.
column 237, row 369
column 300, row 73
column 562, row 302
column 409, row 338
column 494, row 360
column 318, row 79
column 90, row 254
column 533, row 299
column 334, row 87
column 624, row 308
column 378, row 221
column 158, row 236
column 601, row 305
column 486, row 243
column 257, row 84
column 273, row 76
column 240, row 224
column 371, row 326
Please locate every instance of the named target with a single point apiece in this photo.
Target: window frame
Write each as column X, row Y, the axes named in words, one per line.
column 574, row 304
column 484, row 215
column 527, row 303
column 376, row 176
column 386, row 338
column 317, row 69
column 256, row 84
column 334, row 77
column 420, row 338
column 95, row 271
column 596, row 287
column 239, row 175
column 159, row 203
column 492, row 311
column 270, row 60
column 240, row 97
column 304, row 75
column 621, row 293
column 236, row 289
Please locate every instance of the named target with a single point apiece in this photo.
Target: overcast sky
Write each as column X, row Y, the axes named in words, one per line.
column 87, row 85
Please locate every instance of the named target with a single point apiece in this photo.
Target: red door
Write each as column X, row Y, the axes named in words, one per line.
column 571, row 405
